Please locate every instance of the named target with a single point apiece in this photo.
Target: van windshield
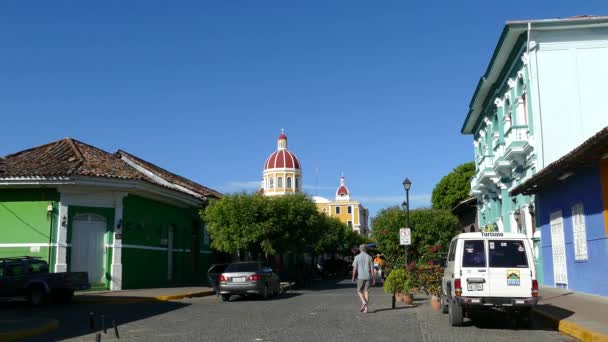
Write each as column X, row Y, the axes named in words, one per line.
column 507, row 253
column 473, row 254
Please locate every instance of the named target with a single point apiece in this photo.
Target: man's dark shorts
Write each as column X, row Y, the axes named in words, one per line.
column 363, row 285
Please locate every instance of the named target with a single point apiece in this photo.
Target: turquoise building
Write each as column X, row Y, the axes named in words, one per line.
column 540, row 97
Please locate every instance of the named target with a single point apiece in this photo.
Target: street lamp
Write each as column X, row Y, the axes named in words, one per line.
column 407, row 184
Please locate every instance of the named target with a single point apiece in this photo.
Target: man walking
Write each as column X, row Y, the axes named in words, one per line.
column 364, row 271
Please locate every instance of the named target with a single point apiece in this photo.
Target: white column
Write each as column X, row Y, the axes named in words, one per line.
column 513, row 222
column 525, row 210
column 116, row 268
column 62, row 238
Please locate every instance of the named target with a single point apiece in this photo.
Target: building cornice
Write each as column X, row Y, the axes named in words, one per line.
column 111, row 183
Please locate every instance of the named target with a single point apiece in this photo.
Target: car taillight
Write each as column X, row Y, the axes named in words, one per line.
column 223, row 277
column 457, row 287
column 534, row 288
column 255, row 277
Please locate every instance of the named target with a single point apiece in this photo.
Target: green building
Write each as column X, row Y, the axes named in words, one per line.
column 127, row 222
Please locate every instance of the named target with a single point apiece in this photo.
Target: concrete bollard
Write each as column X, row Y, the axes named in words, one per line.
column 103, row 323
column 91, row 320
column 115, row 329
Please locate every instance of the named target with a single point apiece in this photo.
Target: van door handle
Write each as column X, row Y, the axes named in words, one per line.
column 481, row 270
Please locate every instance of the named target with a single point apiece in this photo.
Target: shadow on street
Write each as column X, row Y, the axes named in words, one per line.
column 74, row 318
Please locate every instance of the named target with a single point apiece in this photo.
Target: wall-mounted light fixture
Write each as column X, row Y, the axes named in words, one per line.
column 49, row 210
column 64, row 221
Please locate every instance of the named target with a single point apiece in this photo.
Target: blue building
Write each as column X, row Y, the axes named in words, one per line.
column 571, row 196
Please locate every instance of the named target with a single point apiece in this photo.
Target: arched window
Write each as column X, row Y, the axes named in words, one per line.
column 288, row 182
column 280, row 182
column 271, row 182
column 297, row 183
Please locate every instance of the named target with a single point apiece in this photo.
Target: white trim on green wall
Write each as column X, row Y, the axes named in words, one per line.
column 16, row 245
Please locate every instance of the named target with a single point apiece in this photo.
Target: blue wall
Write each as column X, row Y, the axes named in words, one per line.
column 584, row 187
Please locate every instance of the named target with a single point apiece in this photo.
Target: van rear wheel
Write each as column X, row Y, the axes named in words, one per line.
column 444, row 304
column 455, row 313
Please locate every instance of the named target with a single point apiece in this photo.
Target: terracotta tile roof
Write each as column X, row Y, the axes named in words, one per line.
column 70, row 157
column 171, row 177
column 592, row 150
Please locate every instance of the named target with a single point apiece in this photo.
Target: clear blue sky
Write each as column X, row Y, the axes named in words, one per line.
column 375, row 89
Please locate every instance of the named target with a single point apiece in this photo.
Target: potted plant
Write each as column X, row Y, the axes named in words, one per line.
column 400, row 283
column 430, row 277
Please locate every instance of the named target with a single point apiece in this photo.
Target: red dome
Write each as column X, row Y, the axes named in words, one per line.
column 282, row 136
column 342, row 190
column 282, row 159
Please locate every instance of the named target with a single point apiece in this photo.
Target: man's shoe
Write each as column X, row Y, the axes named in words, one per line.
column 365, row 308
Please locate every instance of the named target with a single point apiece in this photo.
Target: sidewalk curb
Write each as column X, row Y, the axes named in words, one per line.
column 132, row 300
column 46, row 328
column 573, row 329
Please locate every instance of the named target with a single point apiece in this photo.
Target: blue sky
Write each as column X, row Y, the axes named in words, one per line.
column 375, row 89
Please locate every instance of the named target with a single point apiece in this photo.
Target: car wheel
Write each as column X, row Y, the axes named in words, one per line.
column 455, row 314
column 444, row 304
column 225, row 297
column 266, row 293
column 36, row 296
column 64, row 296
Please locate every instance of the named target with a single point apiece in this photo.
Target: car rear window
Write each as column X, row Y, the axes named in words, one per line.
column 473, row 254
column 507, row 253
column 244, row 267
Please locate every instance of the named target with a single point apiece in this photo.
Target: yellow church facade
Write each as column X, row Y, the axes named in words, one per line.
column 349, row 211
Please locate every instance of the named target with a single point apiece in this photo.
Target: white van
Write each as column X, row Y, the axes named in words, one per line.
column 488, row 270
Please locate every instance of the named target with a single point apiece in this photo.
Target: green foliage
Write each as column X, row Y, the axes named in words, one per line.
column 273, row 225
column 454, row 187
column 429, row 277
column 430, row 227
column 398, row 281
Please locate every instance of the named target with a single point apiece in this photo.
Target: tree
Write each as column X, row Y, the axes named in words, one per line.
column 454, row 187
column 430, row 227
column 273, row 225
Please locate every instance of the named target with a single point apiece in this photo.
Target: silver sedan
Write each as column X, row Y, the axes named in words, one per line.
column 245, row 278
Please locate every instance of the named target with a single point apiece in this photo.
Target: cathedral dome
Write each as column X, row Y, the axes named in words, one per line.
column 282, row 158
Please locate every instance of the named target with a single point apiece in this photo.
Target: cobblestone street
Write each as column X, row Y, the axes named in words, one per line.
column 327, row 312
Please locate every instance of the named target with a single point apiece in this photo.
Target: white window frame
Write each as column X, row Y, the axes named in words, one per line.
column 579, row 233
column 288, row 182
column 280, row 183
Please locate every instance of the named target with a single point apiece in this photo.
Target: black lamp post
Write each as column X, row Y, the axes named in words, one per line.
column 407, row 184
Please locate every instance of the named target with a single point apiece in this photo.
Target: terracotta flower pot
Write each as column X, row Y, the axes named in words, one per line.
column 407, row 298
column 435, row 302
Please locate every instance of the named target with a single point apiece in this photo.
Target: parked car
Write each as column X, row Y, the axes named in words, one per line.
column 489, row 270
column 29, row 277
column 213, row 274
column 246, row 278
